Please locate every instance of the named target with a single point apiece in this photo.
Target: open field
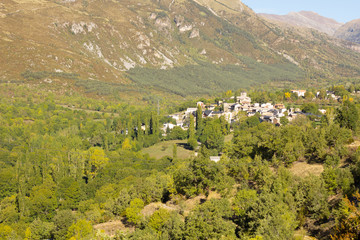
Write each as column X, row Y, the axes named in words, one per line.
column 302, row 169
column 165, row 148
column 112, row 227
column 229, row 137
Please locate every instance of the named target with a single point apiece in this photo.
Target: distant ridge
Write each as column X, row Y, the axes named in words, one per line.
column 306, row 19
column 349, row 31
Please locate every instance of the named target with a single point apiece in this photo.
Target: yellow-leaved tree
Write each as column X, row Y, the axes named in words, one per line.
column 287, row 95
column 126, row 145
column 228, row 93
column 97, row 160
column 82, row 229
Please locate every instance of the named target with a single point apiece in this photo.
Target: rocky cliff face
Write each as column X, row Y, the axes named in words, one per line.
column 349, row 31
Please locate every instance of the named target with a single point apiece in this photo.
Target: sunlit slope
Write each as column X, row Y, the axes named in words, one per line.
column 125, row 41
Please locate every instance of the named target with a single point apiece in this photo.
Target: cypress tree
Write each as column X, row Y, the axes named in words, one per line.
column 154, row 124
column 199, row 120
column 192, row 142
column 191, row 127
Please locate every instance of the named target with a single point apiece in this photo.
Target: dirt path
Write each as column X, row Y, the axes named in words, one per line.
column 354, row 145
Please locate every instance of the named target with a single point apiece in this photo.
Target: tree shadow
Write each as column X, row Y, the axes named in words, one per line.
column 184, row 145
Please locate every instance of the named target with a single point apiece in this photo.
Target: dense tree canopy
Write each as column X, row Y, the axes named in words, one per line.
column 347, row 115
column 65, row 171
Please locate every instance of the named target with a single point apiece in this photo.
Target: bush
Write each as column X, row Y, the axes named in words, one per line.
column 177, row 133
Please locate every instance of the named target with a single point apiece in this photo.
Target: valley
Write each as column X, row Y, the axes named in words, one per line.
column 177, row 120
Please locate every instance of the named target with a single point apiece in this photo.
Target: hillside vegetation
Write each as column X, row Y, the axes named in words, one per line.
column 132, row 44
column 197, row 80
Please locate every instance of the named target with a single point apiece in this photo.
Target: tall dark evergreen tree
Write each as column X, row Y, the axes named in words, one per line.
column 199, row 120
column 139, row 131
column 192, row 142
column 154, row 124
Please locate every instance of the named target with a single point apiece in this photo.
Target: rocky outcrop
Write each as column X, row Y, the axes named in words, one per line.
column 195, row 33
column 179, row 20
column 163, row 23
column 182, row 24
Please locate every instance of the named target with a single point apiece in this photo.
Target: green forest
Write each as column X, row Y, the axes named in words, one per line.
column 70, row 165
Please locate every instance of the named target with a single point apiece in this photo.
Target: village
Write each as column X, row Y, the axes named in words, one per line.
column 230, row 110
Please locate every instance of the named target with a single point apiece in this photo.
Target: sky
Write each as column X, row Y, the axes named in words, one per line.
column 340, row 10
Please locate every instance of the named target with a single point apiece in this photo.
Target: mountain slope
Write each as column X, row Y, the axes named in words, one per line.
column 306, row 19
column 349, row 31
column 312, row 51
column 123, row 45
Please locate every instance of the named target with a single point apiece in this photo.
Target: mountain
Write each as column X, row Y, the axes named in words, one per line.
column 349, row 31
column 306, row 19
column 141, row 47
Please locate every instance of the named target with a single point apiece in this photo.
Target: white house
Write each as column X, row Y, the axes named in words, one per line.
column 267, row 105
column 168, row 125
column 177, row 117
column 201, row 104
column 300, row 93
column 236, row 107
column 215, row 158
column 190, row 110
column 243, row 98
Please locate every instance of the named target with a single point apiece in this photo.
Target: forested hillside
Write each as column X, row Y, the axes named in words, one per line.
column 72, row 168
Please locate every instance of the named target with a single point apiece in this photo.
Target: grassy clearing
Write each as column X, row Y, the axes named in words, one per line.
column 165, row 148
column 229, row 137
column 112, row 227
column 302, row 169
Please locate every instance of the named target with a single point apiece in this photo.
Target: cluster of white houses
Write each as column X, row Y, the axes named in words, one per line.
column 267, row 111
